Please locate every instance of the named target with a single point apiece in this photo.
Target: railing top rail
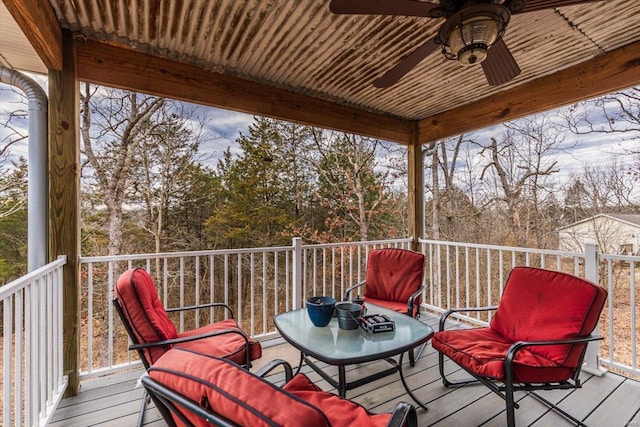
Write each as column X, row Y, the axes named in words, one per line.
column 16, row 285
column 361, row 243
column 133, row 257
column 614, row 257
column 504, row 248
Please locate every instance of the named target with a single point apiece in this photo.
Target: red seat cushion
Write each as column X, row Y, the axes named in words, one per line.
column 229, row 346
column 482, row 352
column 393, row 274
column 537, row 305
column 232, row 392
column 138, row 297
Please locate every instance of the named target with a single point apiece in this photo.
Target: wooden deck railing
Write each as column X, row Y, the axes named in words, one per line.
column 261, row 282
column 33, row 380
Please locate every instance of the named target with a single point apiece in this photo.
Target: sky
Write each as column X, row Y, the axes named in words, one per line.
column 225, row 126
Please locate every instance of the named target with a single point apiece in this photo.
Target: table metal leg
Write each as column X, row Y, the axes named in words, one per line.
column 342, row 382
column 406, row 387
column 299, row 364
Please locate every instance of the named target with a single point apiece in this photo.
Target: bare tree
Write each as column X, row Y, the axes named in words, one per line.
column 113, row 123
column 616, row 115
column 602, row 188
column 163, row 166
column 452, row 211
column 516, row 167
column 13, row 169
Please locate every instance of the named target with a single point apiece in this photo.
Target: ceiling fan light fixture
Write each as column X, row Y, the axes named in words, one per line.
column 468, row 34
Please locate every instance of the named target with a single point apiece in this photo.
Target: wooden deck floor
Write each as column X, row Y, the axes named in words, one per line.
column 610, row 400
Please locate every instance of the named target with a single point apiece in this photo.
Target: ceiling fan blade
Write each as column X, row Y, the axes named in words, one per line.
column 499, row 67
column 382, row 7
column 534, row 5
column 405, row 65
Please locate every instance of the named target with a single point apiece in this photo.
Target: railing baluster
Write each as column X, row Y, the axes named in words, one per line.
column 239, row 288
column 182, row 303
column 226, row 281
column 467, row 275
column 632, row 300
column 50, row 337
column 7, row 378
column 35, row 363
column 110, row 316
column 287, row 284
column 90, row 317
column 197, row 296
column 252, row 296
column 212, row 289
column 489, row 284
column 324, row 271
column 276, row 284
column 265, row 308
column 19, row 355
column 457, row 276
column 42, row 332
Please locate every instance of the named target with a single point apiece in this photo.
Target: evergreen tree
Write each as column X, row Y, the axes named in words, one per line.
column 256, row 202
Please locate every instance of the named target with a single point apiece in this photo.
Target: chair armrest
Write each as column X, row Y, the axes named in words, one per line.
column 196, row 307
column 412, row 299
column 288, row 372
column 350, row 288
column 516, row 347
column 513, row 350
column 190, row 338
column 451, row 311
column 403, row 415
column 171, row 403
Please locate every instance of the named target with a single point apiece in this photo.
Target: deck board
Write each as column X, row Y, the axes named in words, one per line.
column 609, row 400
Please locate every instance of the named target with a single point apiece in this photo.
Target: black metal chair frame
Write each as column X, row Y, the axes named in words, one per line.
column 507, row 388
column 139, row 347
column 167, row 400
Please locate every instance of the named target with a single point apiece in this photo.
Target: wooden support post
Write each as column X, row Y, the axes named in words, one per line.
column 415, row 199
column 64, row 200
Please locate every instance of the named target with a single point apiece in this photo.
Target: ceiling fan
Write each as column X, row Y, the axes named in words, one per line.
column 471, row 33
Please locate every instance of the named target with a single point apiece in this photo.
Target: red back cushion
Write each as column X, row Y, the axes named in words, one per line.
column 138, row 297
column 393, row 274
column 231, row 391
column 540, row 304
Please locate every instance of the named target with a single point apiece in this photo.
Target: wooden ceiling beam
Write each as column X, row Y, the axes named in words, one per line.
column 616, row 70
column 38, row 22
column 124, row 68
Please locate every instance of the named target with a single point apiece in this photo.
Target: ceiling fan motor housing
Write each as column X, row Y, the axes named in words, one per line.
column 467, row 35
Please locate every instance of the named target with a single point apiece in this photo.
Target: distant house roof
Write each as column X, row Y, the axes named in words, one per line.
column 631, row 219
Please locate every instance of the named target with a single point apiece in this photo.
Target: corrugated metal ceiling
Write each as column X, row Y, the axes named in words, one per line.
column 301, row 46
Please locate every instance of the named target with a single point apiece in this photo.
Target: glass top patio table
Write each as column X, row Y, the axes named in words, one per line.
column 339, row 347
column 336, row 346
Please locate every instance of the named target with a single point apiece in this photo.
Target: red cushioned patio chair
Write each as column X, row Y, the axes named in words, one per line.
column 536, row 340
column 193, row 389
column 394, row 280
column 152, row 333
